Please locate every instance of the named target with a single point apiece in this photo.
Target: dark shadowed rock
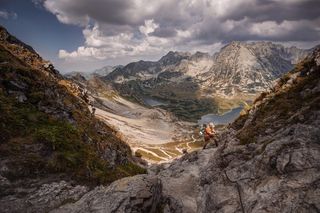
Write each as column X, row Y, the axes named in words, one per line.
column 42, row 199
column 140, row 193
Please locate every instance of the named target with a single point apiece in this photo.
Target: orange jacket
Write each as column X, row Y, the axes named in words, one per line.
column 208, row 133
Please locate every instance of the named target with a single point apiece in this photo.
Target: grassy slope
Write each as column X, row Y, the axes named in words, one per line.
column 35, row 143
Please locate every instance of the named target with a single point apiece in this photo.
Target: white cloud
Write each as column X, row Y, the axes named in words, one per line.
column 272, row 28
column 149, row 27
column 286, row 29
column 127, row 28
column 63, row 15
column 100, row 46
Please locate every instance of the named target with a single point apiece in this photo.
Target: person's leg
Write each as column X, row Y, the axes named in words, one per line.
column 215, row 141
column 205, row 143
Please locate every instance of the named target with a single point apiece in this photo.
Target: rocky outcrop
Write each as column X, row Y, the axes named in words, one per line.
column 48, row 196
column 7, row 37
column 26, row 54
column 141, row 193
column 181, row 178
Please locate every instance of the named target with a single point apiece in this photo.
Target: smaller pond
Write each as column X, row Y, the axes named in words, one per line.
column 153, row 102
column 223, row 119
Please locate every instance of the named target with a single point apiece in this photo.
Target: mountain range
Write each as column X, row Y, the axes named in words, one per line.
column 239, row 67
column 200, row 83
column 101, row 72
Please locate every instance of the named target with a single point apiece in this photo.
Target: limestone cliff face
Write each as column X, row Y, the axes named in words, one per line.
column 47, row 132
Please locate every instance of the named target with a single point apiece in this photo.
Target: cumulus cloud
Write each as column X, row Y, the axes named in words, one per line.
column 101, row 46
column 149, row 27
column 120, row 28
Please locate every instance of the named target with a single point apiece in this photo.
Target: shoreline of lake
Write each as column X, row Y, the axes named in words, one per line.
column 221, row 119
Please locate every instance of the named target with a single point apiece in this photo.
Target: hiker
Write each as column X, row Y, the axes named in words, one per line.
column 214, row 137
column 209, row 133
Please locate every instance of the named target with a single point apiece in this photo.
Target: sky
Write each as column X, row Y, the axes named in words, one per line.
column 83, row 35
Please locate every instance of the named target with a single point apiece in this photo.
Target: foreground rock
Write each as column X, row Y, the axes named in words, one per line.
column 181, row 188
column 42, row 199
column 141, row 193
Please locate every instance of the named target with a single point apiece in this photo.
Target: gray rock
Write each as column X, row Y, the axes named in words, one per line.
column 141, row 193
column 4, row 182
column 43, row 199
column 21, row 97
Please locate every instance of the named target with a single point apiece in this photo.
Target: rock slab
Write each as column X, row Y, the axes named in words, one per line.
column 141, row 193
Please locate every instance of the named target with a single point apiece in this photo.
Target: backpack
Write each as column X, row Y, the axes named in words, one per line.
column 202, row 131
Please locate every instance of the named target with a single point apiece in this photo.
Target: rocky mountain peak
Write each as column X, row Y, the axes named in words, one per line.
column 173, row 57
column 104, row 71
column 233, row 44
column 26, row 54
column 250, row 67
column 199, row 55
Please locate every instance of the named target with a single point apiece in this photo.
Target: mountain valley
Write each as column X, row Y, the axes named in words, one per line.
column 152, row 132
column 192, row 85
column 157, row 107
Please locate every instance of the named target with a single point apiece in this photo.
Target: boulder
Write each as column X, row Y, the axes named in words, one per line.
column 141, row 193
column 48, row 196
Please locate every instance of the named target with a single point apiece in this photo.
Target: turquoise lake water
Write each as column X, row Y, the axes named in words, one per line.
column 223, row 119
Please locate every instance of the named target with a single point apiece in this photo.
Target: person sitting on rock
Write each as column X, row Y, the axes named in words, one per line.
column 209, row 133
